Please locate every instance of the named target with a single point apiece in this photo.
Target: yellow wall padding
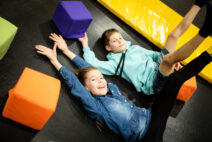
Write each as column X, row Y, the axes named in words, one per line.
column 155, row 20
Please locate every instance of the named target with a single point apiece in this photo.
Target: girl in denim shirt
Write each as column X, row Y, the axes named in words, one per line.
column 105, row 103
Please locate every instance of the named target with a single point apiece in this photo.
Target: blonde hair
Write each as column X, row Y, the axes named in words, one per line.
column 82, row 73
column 106, row 36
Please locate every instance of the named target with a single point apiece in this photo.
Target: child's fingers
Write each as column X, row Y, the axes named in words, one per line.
column 37, row 47
column 178, row 66
column 40, row 47
column 55, row 47
column 61, row 37
column 54, row 36
column 40, row 52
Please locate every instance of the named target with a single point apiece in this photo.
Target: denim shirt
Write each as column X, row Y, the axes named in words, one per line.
column 121, row 116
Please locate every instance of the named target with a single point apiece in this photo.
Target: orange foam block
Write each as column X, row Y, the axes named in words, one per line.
column 187, row 89
column 33, row 100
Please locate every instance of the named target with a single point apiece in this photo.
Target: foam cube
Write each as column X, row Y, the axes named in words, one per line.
column 72, row 19
column 187, row 89
column 33, row 100
column 7, row 34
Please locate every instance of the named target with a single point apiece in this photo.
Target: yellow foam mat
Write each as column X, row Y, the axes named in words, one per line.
column 155, row 20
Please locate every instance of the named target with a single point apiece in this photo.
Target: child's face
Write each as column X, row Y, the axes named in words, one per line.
column 116, row 43
column 95, row 83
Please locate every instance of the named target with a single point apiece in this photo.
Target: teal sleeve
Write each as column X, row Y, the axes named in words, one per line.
column 106, row 67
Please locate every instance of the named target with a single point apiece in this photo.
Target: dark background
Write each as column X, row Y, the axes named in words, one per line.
column 189, row 122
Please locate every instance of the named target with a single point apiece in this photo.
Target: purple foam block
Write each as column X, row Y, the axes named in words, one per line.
column 72, row 19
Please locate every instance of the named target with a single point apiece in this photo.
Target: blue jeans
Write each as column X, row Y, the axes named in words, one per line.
column 160, row 79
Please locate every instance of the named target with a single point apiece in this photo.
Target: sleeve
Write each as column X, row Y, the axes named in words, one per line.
column 78, row 90
column 106, row 67
column 114, row 89
column 80, row 63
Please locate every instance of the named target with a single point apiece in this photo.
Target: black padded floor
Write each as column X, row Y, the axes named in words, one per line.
column 189, row 122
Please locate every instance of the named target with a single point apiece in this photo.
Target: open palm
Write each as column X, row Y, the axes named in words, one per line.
column 49, row 53
column 59, row 41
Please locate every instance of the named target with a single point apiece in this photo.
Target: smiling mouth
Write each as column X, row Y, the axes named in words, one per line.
column 121, row 45
column 101, row 87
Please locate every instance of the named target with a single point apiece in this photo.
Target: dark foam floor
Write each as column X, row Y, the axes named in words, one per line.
column 189, row 122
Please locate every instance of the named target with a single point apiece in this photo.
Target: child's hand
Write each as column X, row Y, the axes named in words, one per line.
column 49, row 53
column 84, row 40
column 178, row 66
column 59, row 41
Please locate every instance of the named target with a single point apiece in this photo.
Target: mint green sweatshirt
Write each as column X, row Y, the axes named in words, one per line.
column 139, row 69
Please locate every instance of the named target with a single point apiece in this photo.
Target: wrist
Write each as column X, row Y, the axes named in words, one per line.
column 56, row 64
column 64, row 48
column 84, row 44
column 69, row 54
column 65, row 51
column 54, row 61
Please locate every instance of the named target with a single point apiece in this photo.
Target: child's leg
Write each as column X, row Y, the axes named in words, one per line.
column 165, row 101
column 182, row 53
column 166, row 67
column 172, row 39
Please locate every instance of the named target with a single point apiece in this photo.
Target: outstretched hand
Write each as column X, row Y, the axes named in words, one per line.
column 178, row 66
column 49, row 53
column 59, row 41
column 84, row 40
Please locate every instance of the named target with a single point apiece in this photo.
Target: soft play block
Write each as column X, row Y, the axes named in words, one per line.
column 7, row 33
column 187, row 89
column 33, row 100
column 155, row 20
column 72, row 19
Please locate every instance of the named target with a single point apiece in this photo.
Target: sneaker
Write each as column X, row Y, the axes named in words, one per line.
column 201, row 3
